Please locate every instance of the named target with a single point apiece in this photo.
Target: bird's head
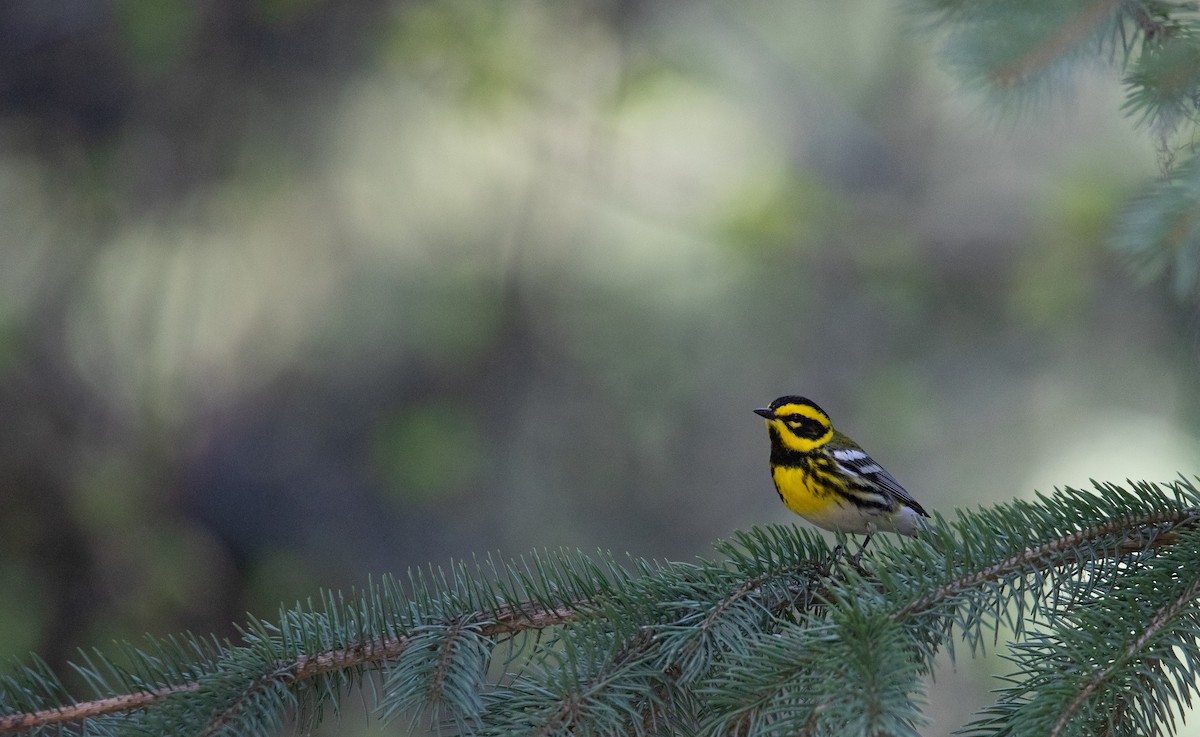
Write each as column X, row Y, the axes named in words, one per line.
column 797, row 423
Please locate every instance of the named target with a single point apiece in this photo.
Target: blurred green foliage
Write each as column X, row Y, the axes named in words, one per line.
column 296, row 292
column 431, row 451
column 155, row 33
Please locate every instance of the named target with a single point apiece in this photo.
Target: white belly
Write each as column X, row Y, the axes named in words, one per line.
column 845, row 517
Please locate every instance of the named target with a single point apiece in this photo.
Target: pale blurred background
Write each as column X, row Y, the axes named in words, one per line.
column 297, row 291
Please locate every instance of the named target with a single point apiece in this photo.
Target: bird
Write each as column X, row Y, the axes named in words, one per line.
column 829, row 480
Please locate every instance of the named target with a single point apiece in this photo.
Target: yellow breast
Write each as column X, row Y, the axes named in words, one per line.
column 814, row 496
column 801, row 492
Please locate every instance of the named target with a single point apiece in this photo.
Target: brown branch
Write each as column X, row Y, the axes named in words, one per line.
column 1131, row 529
column 516, row 619
column 88, row 709
column 1156, row 625
column 751, row 586
column 1136, row 533
column 1043, row 54
column 443, row 666
column 1154, row 30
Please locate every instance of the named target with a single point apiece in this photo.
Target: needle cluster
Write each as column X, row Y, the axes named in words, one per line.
column 1090, row 595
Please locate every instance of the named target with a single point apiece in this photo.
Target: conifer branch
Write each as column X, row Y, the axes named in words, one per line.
column 91, row 709
column 1023, row 50
column 1058, row 552
column 519, row 618
column 1164, row 615
column 1055, row 45
column 1154, row 30
column 230, row 713
column 767, row 638
column 755, row 584
column 443, row 666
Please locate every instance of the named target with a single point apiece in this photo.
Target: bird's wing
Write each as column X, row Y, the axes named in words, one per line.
column 855, row 461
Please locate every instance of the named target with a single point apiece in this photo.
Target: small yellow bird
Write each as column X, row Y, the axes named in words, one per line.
column 829, row 480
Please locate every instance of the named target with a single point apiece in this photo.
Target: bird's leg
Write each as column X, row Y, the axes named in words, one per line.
column 839, row 549
column 863, row 547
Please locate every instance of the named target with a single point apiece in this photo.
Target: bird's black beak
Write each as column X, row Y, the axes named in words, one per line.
column 765, row 412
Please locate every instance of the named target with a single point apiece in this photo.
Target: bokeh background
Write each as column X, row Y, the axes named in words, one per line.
column 294, row 292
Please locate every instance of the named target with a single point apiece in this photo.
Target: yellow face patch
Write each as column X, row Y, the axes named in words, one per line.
column 801, row 427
